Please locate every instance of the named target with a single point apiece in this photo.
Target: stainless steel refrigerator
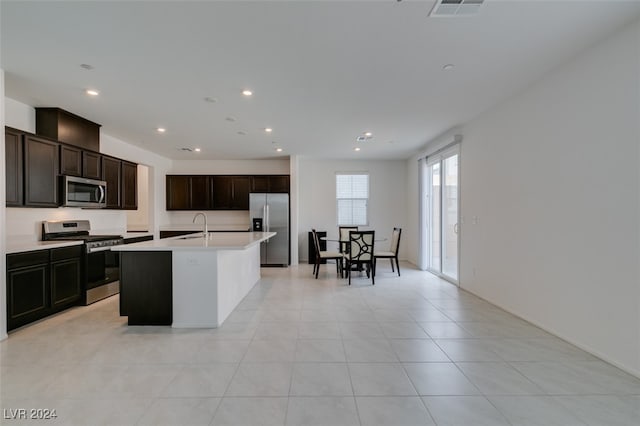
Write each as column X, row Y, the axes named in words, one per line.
column 271, row 213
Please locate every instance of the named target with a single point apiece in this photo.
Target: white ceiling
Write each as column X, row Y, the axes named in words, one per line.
column 322, row 72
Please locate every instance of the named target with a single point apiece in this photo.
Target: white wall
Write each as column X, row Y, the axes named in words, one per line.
column 139, row 219
column 317, row 198
column 553, row 177
column 19, row 115
column 231, row 167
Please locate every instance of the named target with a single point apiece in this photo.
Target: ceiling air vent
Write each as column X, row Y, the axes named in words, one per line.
column 448, row 8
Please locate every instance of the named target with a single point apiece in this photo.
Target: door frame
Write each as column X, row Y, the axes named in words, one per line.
column 438, row 158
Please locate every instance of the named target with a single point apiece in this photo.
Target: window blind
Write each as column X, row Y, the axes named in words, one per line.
column 352, row 196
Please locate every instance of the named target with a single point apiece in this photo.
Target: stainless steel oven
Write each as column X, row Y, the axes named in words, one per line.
column 101, row 265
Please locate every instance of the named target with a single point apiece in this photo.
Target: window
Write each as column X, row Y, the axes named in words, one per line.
column 352, row 198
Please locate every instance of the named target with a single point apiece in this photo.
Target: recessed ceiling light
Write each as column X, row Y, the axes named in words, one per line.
column 210, row 100
column 368, row 134
column 448, row 67
column 268, row 129
column 279, row 149
column 92, row 92
column 197, row 149
column 161, row 129
column 247, row 92
column 356, row 149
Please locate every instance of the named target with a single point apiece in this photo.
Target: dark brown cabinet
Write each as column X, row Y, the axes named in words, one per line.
column 40, row 172
column 70, row 160
column 69, row 128
column 91, row 165
column 112, row 175
column 270, row 183
column 14, row 167
column 185, row 192
column 231, row 192
column 122, row 183
column 33, row 165
column 219, row 192
column 200, row 192
column 178, row 192
column 27, row 287
column 129, row 195
column 42, row 282
column 66, row 287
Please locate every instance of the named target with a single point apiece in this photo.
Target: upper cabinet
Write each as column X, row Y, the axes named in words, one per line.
column 70, row 160
column 91, row 165
column 33, row 163
column 219, row 192
column 69, row 128
column 129, row 195
column 270, row 183
column 13, row 150
column 185, row 192
column 40, row 172
column 122, row 183
column 112, row 174
column 231, row 192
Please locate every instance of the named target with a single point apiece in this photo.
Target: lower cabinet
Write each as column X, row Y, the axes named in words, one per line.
column 66, row 273
column 42, row 282
column 27, row 295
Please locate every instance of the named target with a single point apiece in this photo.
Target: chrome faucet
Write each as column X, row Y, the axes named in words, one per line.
column 206, row 231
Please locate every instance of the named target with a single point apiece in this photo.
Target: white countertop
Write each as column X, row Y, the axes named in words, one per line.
column 214, row 241
column 22, row 246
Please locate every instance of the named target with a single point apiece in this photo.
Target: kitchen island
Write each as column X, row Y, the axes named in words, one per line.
column 193, row 281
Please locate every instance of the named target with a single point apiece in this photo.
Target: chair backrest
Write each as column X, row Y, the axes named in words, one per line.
column 395, row 240
column 361, row 245
column 343, row 232
column 316, row 243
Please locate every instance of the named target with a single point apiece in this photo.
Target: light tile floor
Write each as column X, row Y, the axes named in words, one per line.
column 412, row 350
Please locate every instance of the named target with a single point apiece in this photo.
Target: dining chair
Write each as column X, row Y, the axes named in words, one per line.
column 343, row 236
column 392, row 253
column 361, row 245
column 325, row 255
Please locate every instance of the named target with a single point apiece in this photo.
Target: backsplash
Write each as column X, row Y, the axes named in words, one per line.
column 26, row 223
column 220, row 217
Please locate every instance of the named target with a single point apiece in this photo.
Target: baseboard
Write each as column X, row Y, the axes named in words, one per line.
column 591, row 351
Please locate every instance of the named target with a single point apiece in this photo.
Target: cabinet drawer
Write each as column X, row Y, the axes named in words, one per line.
column 66, row 253
column 30, row 258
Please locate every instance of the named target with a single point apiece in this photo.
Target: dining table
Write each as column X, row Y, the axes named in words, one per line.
column 341, row 242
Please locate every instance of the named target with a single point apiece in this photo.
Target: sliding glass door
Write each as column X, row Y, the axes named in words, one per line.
column 443, row 220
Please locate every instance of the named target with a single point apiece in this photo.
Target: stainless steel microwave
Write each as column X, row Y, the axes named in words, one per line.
column 81, row 192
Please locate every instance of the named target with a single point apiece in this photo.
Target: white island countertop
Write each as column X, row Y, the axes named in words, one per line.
column 214, row 241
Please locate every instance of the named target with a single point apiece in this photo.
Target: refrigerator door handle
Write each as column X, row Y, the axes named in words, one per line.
column 268, row 219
